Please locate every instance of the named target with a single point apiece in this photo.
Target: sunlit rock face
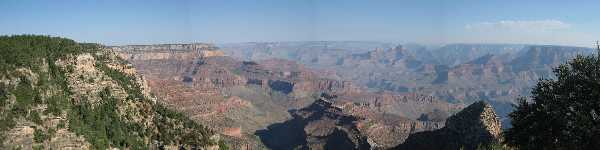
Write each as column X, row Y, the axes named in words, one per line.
column 321, row 125
column 475, row 125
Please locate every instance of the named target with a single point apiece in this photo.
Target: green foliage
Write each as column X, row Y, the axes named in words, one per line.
column 31, row 52
column 61, row 124
column 35, row 117
column 191, row 133
column 24, row 94
column 56, row 104
column 39, row 136
column 128, row 82
column 3, row 96
column 38, row 147
column 563, row 112
column 51, row 132
column 98, row 123
column 27, row 50
column 102, row 126
column 223, row 146
column 491, row 146
column 6, row 123
column 59, row 102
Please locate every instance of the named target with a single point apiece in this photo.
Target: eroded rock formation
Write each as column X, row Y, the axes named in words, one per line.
column 321, row 125
column 237, row 98
column 476, row 125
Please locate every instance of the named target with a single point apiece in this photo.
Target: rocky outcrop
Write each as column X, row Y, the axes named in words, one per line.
column 389, row 119
column 318, row 126
column 83, row 96
column 476, row 125
column 317, row 123
column 386, row 134
column 410, row 105
column 208, row 53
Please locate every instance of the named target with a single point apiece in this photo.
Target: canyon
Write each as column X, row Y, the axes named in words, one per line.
column 455, row 73
column 246, row 100
column 297, row 95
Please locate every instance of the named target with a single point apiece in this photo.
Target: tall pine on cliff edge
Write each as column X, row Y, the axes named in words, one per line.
column 563, row 113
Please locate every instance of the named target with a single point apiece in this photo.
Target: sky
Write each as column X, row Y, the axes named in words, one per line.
column 113, row 22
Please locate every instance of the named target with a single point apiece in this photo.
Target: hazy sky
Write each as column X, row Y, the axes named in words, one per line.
column 115, row 22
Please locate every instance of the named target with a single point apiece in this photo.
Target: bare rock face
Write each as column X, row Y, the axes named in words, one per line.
column 473, row 126
column 207, row 53
column 383, row 135
column 477, row 123
column 318, row 126
column 389, row 119
column 333, row 122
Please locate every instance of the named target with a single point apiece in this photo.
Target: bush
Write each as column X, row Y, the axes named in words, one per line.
column 35, row 117
column 223, row 146
column 3, row 96
column 39, row 136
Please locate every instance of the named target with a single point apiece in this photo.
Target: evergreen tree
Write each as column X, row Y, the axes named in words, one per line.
column 563, row 113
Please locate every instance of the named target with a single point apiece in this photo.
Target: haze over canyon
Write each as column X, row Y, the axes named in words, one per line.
column 299, row 75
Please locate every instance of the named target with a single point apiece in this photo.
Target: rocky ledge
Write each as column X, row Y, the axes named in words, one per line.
column 321, row 125
column 477, row 125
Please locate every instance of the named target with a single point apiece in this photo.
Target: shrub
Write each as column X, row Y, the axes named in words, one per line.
column 39, row 136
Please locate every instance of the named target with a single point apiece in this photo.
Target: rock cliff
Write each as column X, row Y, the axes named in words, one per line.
column 59, row 94
column 321, row 125
column 476, row 125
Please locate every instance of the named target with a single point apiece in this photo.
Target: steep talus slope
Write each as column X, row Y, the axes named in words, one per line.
column 474, row 126
column 59, row 94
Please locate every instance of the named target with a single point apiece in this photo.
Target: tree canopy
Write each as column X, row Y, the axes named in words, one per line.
column 562, row 113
